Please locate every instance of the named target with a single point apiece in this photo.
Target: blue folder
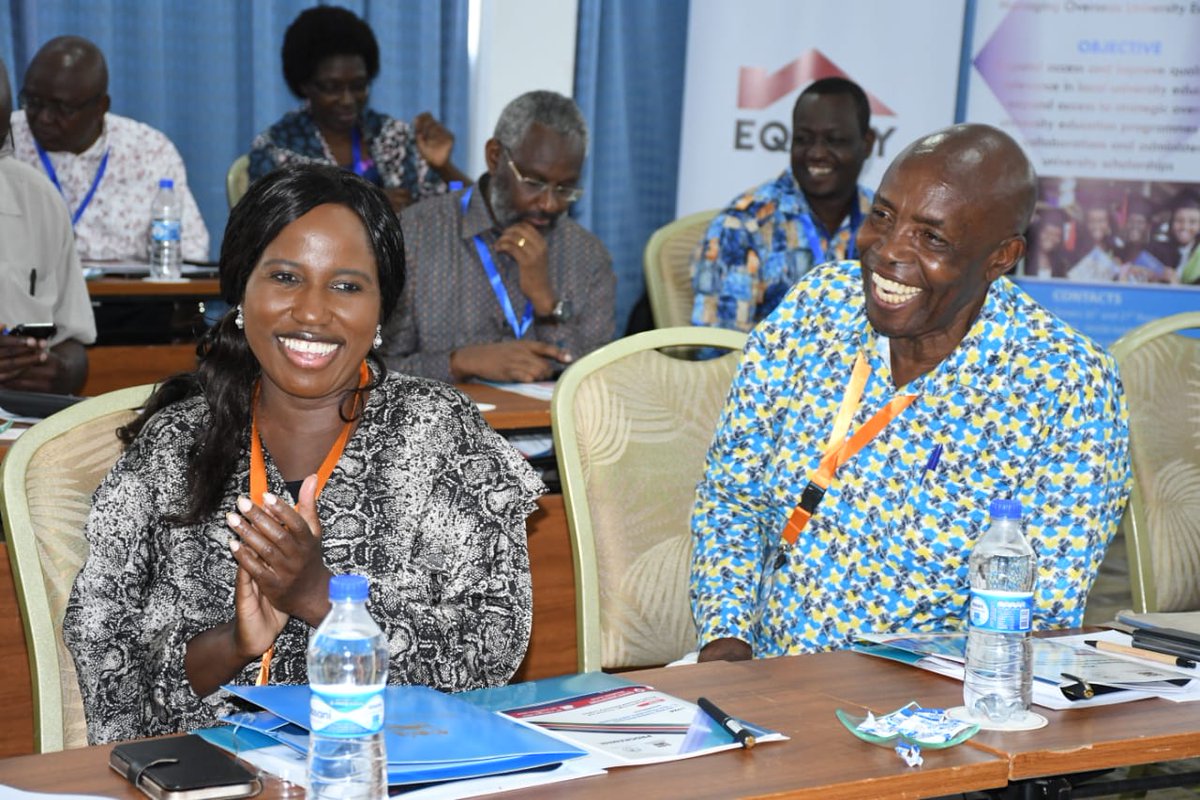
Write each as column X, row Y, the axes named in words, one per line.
column 429, row 736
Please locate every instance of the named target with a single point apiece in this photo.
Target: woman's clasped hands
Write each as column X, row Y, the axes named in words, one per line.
column 281, row 572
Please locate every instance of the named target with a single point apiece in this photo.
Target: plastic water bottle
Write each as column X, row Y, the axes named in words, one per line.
column 999, row 671
column 347, row 670
column 166, row 233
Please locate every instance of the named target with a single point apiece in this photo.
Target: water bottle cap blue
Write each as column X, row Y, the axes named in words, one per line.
column 166, row 183
column 1005, row 509
column 347, row 587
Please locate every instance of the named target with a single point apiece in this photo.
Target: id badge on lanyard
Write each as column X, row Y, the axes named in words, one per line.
column 838, row 450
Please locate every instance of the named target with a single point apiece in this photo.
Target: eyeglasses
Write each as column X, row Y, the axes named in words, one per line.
column 567, row 194
column 36, row 105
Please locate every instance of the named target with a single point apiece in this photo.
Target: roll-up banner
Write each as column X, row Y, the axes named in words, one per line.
column 746, row 64
column 1105, row 97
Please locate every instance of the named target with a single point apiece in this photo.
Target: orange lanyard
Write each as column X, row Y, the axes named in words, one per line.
column 258, row 482
column 839, row 449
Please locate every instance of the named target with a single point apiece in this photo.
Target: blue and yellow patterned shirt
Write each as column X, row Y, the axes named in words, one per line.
column 1025, row 408
column 757, row 248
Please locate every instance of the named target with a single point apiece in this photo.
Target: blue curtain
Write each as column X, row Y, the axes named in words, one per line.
column 629, row 71
column 208, row 74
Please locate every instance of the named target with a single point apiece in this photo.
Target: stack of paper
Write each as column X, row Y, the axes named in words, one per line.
column 1053, row 659
column 620, row 723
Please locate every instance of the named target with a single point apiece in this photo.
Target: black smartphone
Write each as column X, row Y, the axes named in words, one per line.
column 183, row 768
column 38, row 330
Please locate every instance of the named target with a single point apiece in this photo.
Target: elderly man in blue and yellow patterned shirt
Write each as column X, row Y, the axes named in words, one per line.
column 914, row 387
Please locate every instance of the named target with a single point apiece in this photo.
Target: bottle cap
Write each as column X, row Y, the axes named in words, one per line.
column 166, row 183
column 1005, row 509
column 347, row 587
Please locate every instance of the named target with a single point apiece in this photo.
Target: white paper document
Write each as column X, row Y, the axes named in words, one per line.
column 1053, row 658
column 538, row 390
column 634, row 725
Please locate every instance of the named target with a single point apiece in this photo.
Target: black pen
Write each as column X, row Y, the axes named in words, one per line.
column 735, row 729
column 32, row 281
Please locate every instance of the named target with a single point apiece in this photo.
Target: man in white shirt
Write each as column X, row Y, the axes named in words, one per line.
column 106, row 167
column 40, row 278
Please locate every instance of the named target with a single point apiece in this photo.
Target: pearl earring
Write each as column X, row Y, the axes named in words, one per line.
column 239, row 321
column 378, row 337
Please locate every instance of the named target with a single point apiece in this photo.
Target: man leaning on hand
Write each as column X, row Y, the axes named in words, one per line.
column 502, row 284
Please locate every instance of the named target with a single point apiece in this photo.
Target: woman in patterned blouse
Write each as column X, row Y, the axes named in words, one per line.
column 194, row 573
column 330, row 57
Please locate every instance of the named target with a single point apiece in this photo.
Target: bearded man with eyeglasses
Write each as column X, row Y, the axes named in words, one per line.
column 502, row 284
column 105, row 166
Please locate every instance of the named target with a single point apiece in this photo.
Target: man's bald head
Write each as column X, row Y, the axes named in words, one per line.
column 989, row 164
column 76, row 56
column 65, row 94
column 947, row 221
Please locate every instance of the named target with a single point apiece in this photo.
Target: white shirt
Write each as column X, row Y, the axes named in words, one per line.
column 36, row 242
column 116, row 223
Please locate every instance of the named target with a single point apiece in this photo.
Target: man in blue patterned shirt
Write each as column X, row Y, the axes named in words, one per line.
column 979, row 392
column 770, row 236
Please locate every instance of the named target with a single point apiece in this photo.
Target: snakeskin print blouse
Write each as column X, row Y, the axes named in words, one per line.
column 427, row 501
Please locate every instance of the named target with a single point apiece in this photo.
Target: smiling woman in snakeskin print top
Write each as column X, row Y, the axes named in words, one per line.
column 189, row 581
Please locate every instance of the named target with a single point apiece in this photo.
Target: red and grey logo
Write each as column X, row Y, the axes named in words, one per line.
column 758, row 89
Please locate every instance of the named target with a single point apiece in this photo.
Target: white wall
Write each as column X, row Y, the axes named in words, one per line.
column 515, row 46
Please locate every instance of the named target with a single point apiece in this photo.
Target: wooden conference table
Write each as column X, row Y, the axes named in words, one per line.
column 115, row 366
column 135, row 289
column 798, row 696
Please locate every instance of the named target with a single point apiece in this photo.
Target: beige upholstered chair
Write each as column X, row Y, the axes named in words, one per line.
column 237, row 179
column 631, row 429
column 1160, row 369
column 667, row 261
column 49, row 476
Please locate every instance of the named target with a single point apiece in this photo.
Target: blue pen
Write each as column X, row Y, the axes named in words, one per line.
column 934, row 458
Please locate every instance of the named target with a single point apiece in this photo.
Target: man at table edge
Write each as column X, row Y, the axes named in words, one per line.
column 1006, row 401
column 35, row 231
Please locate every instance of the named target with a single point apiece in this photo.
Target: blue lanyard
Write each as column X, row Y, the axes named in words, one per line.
column 87, row 198
column 357, row 164
column 489, row 266
column 814, row 239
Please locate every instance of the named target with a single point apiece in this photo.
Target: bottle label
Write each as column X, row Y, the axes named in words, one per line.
column 352, row 714
column 1001, row 612
column 166, row 230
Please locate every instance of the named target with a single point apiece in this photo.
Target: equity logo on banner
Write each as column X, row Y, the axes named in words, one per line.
column 758, row 89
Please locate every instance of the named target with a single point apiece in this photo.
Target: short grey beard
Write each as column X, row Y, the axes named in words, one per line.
column 501, row 202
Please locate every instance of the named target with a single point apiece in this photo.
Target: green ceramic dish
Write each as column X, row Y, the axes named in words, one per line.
column 852, row 721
